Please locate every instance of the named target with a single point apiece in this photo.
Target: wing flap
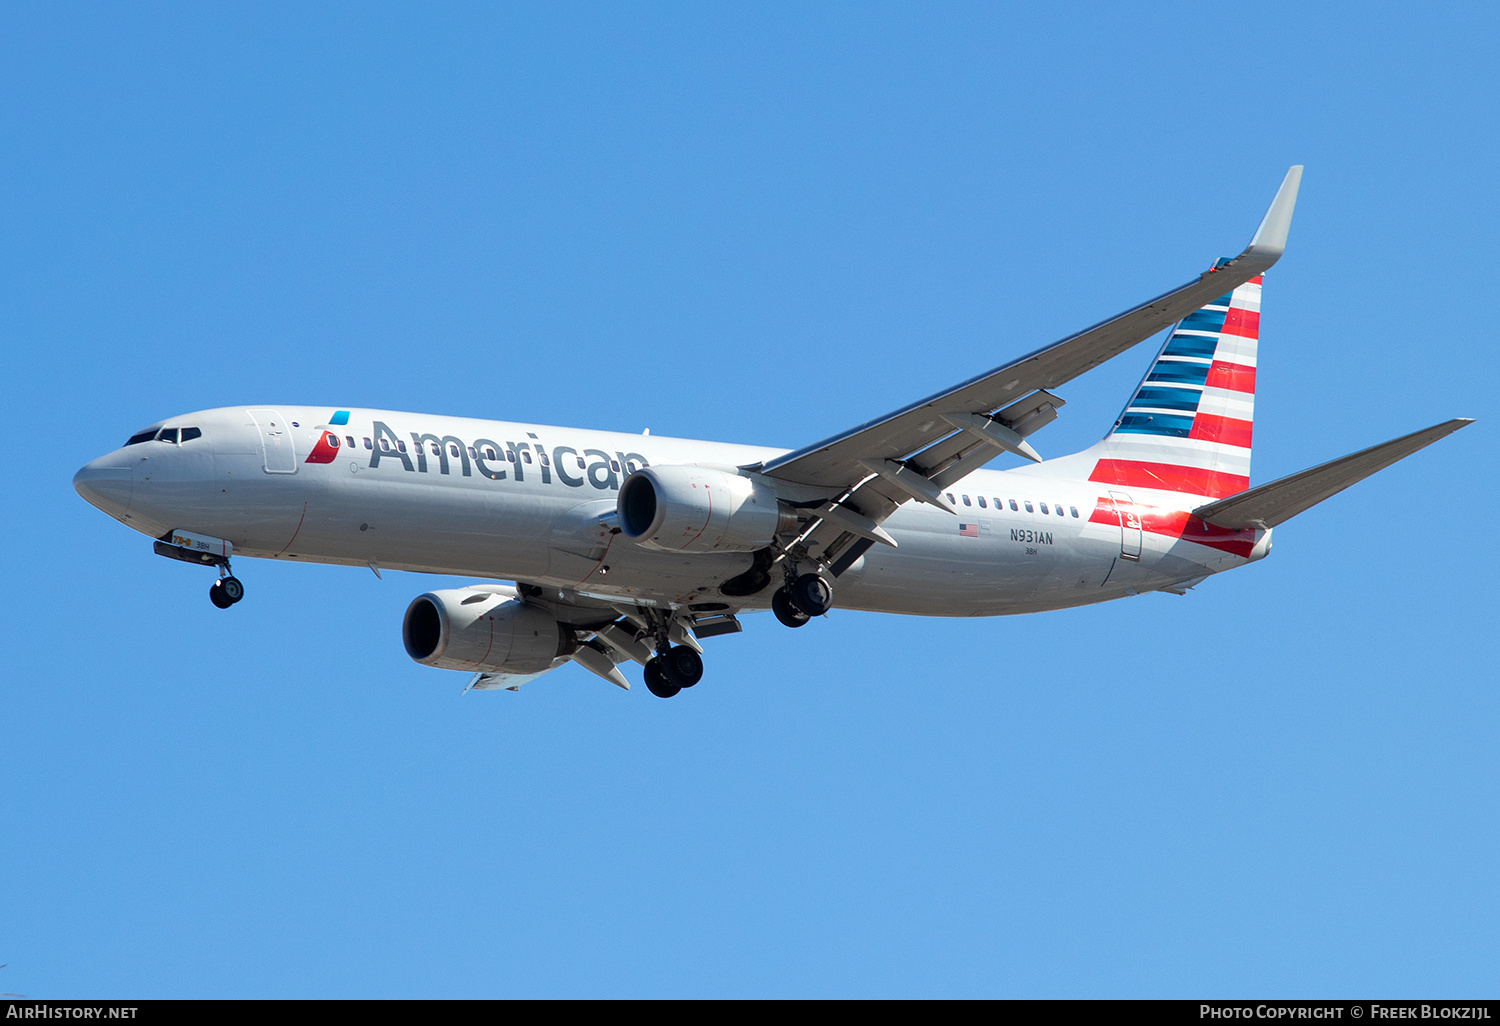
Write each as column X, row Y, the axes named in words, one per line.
column 1280, row 500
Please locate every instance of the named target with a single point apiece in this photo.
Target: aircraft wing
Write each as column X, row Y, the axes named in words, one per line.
column 1280, row 500
column 898, row 436
column 920, row 449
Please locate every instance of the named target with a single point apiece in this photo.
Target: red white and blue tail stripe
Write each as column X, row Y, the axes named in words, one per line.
column 1188, row 427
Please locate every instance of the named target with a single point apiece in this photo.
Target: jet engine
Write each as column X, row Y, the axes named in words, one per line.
column 472, row 629
column 700, row 509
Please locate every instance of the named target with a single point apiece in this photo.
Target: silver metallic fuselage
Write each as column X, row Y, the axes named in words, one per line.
column 248, row 479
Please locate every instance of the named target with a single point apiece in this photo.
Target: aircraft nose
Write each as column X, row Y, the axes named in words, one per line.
column 105, row 486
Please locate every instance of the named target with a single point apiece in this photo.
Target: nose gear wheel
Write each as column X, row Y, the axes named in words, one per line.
column 226, row 591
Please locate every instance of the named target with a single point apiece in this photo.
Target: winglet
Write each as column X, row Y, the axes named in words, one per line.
column 1269, row 241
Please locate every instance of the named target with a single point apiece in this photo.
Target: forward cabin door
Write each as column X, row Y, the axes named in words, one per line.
column 1130, row 525
column 275, row 441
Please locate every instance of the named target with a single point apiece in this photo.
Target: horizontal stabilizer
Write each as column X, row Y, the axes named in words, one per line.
column 1279, row 501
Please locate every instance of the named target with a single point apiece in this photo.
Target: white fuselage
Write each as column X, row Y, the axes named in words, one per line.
column 532, row 513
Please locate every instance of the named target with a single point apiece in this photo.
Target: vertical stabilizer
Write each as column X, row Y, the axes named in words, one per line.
column 1188, row 426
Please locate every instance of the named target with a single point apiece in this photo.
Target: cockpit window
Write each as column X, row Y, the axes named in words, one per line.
column 188, row 434
column 142, row 436
column 168, row 435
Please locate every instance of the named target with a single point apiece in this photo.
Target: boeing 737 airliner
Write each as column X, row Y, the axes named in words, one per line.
column 634, row 547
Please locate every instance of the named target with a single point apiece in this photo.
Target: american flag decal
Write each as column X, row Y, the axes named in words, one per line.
column 968, row 530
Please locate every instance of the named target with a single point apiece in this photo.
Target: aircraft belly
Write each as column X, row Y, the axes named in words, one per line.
column 586, row 553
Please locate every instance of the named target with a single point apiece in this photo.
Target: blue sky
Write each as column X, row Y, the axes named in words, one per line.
column 758, row 223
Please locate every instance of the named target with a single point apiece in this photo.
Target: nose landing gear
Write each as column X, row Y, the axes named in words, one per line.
column 204, row 551
column 226, row 591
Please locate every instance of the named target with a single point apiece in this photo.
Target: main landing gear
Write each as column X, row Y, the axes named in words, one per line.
column 672, row 670
column 801, row 599
column 226, row 591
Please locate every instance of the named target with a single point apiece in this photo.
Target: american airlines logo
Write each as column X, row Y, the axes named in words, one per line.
column 446, row 454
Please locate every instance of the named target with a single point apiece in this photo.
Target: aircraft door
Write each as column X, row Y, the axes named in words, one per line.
column 1130, row 525
column 275, row 441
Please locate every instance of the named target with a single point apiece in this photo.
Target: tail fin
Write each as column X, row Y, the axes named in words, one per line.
column 1188, row 427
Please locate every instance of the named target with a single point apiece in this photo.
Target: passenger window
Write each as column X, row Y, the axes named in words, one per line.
column 489, row 453
column 1028, row 507
column 453, row 450
column 333, row 439
column 473, row 455
column 350, row 440
column 1059, row 509
column 401, row 445
column 1014, row 506
column 1044, row 508
column 510, row 454
column 951, row 500
column 614, row 465
column 188, row 434
column 981, row 503
column 437, row 450
column 967, row 502
column 542, row 459
column 385, row 445
column 526, row 456
column 630, row 466
column 580, row 463
column 368, row 444
column 1074, row 511
column 168, row 435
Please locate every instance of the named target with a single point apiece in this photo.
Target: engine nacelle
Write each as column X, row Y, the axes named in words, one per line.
column 470, row 629
column 699, row 509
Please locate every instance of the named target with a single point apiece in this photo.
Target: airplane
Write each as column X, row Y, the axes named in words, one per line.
column 636, row 548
